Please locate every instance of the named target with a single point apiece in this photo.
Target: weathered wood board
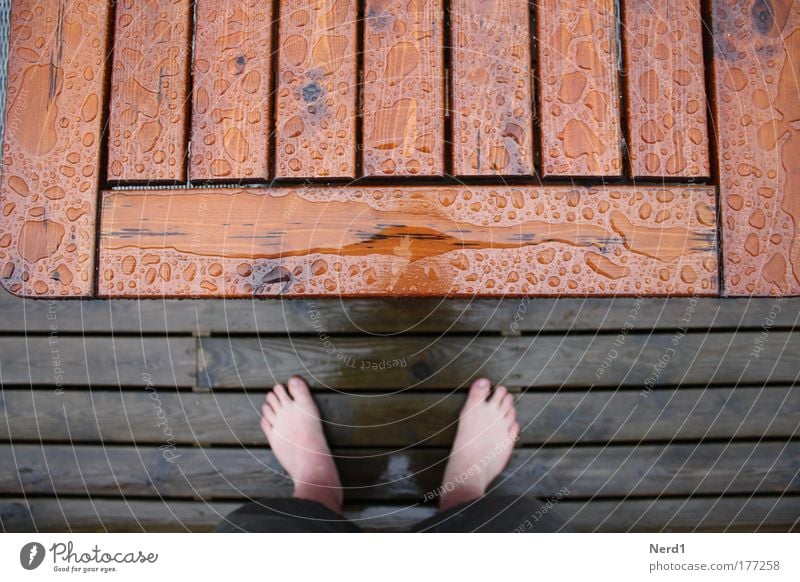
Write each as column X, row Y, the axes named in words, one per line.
column 61, row 361
column 400, row 420
column 620, row 315
column 228, row 472
column 574, row 361
column 733, row 513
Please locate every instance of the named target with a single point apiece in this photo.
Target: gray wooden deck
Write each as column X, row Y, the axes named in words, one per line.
column 641, row 415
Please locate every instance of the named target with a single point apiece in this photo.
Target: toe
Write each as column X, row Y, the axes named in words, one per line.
column 273, row 401
column 479, row 390
column 280, row 391
column 299, row 389
column 266, row 427
column 507, row 402
column 509, row 421
column 500, row 392
column 510, row 416
column 268, row 414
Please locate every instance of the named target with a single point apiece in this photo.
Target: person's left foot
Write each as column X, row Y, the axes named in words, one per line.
column 291, row 422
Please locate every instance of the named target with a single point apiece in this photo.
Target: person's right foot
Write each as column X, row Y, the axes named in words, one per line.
column 290, row 420
column 487, row 431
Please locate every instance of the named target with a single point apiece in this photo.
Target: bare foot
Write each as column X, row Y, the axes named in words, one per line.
column 487, row 431
column 291, row 422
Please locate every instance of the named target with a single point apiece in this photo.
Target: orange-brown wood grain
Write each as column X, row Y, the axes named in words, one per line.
column 317, row 89
column 579, row 96
column 442, row 241
column 148, row 122
column 491, row 87
column 757, row 112
column 403, row 88
column 231, row 91
column 53, row 127
column 665, row 88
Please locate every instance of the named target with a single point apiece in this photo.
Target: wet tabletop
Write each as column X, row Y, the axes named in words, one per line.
column 379, row 148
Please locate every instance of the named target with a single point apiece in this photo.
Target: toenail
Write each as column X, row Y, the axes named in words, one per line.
column 483, row 383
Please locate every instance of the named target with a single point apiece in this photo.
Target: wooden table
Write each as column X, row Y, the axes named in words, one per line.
column 384, row 148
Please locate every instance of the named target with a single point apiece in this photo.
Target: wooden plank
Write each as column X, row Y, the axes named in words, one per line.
column 403, row 88
column 91, row 316
column 578, row 93
column 232, row 90
column 621, row 315
column 231, row 473
column 703, row 514
column 434, row 241
column 492, row 93
column 700, row 514
column 148, row 122
column 317, row 89
column 106, row 515
column 60, row 360
column 402, row 419
column 666, row 95
column 51, row 155
column 405, row 362
column 758, row 143
column 111, row 515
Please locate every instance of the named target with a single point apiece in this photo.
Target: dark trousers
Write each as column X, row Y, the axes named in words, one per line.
column 489, row 514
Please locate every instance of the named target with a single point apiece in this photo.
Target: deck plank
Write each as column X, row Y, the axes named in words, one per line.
column 703, row 514
column 51, row 156
column 666, row 96
column 403, row 88
column 756, row 67
column 491, row 88
column 148, row 135
column 434, row 241
column 645, row 470
column 403, row 419
column 232, row 91
column 76, row 361
column 317, row 89
column 621, row 315
column 132, row 515
column 578, row 93
column 409, row 362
